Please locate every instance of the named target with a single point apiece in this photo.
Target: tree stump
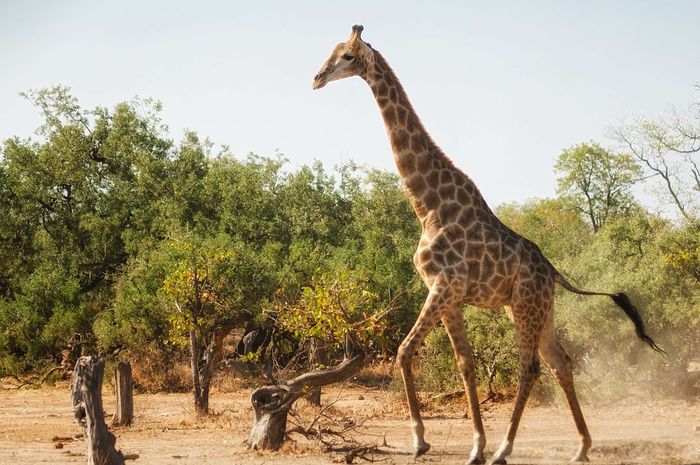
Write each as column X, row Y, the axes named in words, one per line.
column 271, row 404
column 86, row 394
column 270, row 409
column 124, row 414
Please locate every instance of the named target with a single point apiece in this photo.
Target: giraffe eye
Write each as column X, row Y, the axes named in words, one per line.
column 348, row 57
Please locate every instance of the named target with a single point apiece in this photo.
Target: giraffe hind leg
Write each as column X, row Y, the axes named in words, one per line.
column 561, row 367
column 527, row 335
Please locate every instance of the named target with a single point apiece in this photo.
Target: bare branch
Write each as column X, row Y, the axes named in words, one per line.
column 657, row 164
column 335, row 374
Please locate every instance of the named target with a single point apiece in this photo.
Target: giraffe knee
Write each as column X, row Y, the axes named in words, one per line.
column 536, row 369
column 404, row 356
column 531, row 370
column 466, row 365
column 562, row 368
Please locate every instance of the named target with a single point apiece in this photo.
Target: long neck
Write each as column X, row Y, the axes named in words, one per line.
column 425, row 170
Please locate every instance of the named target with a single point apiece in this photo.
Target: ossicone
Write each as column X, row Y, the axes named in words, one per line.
column 356, row 33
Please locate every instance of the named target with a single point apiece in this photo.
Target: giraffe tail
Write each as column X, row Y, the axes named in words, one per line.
column 622, row 301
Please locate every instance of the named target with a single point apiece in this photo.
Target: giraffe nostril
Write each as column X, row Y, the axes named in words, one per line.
column 317, row 77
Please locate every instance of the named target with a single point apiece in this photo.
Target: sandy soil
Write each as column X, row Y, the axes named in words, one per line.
column 36, row 426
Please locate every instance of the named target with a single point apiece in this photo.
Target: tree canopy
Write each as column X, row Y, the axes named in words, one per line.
column 596, row 181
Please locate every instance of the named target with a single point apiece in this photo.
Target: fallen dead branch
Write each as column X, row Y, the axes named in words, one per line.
column 365, row 453
column 335, row 438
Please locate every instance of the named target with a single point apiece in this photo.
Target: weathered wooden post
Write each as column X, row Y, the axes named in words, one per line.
column 272, row 403
column 86, row 394
column 124, row 414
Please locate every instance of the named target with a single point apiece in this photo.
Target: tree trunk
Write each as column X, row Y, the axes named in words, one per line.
column 125, row 395
column 205, row 374
column 86, row 394
column 201, row 400
column 204, row 356
column 272, row 403
column 317, row 356
column 314, row 397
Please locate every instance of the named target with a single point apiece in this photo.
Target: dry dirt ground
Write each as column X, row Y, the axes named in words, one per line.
column 36, row 426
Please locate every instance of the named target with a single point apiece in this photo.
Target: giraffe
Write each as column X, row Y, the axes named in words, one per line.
column 466, row 255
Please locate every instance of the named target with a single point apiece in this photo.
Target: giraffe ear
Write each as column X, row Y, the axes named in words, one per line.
column 356, row 33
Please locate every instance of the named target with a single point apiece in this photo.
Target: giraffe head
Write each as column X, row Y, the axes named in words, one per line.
column 351, row 58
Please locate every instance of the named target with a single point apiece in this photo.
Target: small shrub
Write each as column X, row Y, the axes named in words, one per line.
column 156, row 371
column 437, row 368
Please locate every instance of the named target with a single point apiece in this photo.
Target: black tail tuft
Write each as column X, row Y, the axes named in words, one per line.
column 624, row 303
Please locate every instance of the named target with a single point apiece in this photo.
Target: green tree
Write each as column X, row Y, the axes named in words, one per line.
column 681, row 251
column 334, row 307
column 552, row 224
column 381, row 238
column 597, row 181
column 492, row 338
column 69, row 199
column 213, row 286
column 315, row 216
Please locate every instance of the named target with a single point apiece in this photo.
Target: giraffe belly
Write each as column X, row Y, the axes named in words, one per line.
column 487, row 267
column 489, row 282
column 482, row 298
column 485, row 287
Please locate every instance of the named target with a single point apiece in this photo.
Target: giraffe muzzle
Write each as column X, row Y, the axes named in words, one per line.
column 319, row 81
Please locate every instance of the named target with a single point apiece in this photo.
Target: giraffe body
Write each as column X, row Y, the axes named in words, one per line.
column 465, row 255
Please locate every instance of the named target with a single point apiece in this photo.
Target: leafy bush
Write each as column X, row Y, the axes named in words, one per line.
column 492, row 338
column 334, row 307
column 628, row 255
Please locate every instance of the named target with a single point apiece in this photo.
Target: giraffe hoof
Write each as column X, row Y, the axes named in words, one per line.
column 476, row 461
column 580, row 458
column 499, row 462
column 420, row 450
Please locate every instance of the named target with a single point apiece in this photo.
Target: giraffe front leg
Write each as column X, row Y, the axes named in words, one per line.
column 426, row 321
column 405, row 357
column 457, row 331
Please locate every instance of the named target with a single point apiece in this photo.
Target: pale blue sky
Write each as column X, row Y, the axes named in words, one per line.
column 503, row 87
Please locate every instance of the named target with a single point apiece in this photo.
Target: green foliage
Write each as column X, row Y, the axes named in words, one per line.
column 596, row 181
column 495, row 352
column 68, row 201
column 681, row 251
column 437, row 365
column 210, row 283
column 137, row 316
column 629, row 254
column 492, row 338
column 381, row 239
column 333, row 307
column 45, row 312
